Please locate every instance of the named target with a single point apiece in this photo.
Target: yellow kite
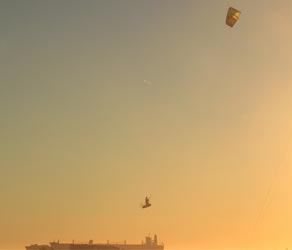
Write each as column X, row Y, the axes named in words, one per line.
column 232, row 16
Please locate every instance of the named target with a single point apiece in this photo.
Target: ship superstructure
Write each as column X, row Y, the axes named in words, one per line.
column 149, row 244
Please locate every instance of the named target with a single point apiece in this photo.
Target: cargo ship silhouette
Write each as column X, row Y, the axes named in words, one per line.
column 149, row 244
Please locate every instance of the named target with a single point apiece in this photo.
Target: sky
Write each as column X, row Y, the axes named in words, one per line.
column 103, row 102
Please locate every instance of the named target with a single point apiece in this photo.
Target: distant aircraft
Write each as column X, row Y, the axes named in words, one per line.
column 232, row 16
column 147, row 202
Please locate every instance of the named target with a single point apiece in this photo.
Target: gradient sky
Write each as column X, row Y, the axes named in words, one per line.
column 103, row 102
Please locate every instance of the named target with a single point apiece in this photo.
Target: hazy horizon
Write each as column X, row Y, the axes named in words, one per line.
column 103, row 102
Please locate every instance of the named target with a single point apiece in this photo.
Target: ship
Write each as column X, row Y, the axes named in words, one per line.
column 149, row 244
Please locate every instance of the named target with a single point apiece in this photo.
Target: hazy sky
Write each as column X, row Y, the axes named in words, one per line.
column 103, row 102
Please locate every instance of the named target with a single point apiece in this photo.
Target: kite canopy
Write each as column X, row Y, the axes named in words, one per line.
column 232, row 16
